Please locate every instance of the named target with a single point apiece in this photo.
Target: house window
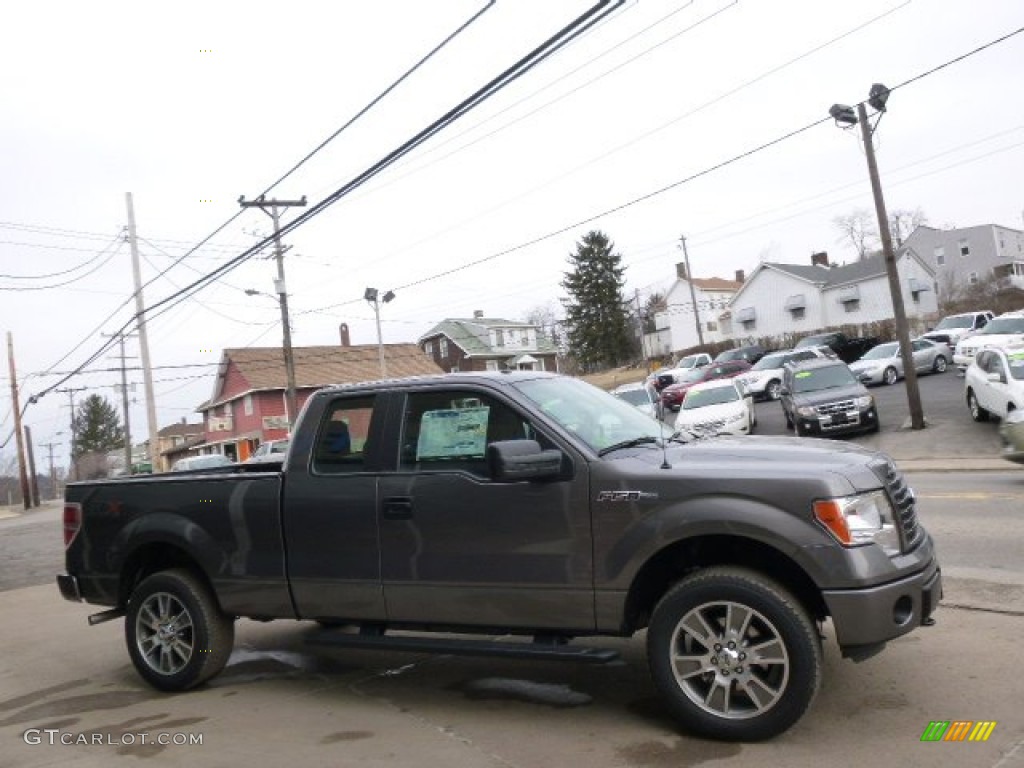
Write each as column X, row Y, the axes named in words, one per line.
column 499, row 338
column 972, row 278
column 712, row 326
column 965, row 249
column 247, row 405
column 749, row 325
column 797, row 313
column 492, row 365
column 852, row 306
column 940, row 255
column 428, row 349
column 539, row 366
column 443, row 347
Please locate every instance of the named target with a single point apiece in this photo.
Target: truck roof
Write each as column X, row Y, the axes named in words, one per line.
column 444, row 379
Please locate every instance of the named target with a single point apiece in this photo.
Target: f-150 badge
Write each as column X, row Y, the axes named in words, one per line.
column 626, row 496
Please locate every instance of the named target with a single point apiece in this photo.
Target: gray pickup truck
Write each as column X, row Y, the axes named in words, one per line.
column 452, row 513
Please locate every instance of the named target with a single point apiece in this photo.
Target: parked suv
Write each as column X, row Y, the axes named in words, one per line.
column 764, row 379
column 994, row 382
column 952, row 328
column 824, row 398
column 1008, row 328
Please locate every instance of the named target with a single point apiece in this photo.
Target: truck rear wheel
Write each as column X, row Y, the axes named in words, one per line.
column 176, row 634
column 734, row 655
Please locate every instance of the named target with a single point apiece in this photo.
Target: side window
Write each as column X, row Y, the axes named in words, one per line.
column 980, row 321
column 919, row 345
column 341, row 443
column 451, row 429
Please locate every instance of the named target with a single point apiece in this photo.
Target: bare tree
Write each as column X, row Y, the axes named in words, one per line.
column 859, row 230
column 903, row 221
column 545, row 317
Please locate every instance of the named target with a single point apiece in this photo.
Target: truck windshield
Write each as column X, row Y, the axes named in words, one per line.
column 595, row 416
column 813, row 341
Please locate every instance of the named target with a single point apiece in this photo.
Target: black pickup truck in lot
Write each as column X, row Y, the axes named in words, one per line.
column 434, row 514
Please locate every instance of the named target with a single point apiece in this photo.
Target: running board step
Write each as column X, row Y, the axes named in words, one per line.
column 464, row 647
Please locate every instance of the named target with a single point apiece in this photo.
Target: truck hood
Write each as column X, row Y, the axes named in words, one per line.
column 845, row 467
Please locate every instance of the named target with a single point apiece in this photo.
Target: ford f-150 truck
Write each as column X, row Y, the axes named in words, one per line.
column 509, row 514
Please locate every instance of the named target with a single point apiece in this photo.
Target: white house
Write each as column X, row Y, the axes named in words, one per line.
column 798, row 299
column 677, row 321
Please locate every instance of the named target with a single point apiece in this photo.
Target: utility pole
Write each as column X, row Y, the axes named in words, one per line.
column 53, row 474
column 693, row 293
column 124, row 401
column 140, row 313
column 640, row 323
column 70, row 391
column 899, row 311
column 33, row 479
column 279, row 286
column 16, row 410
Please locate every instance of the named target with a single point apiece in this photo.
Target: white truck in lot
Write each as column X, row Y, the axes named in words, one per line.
column 1008, row 328
column 952, row 328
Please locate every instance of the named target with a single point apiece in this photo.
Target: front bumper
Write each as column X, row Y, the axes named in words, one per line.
column 864, row 617
column 860, row 420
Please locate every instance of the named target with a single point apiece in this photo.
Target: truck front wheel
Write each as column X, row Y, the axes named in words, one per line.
column 734, row 655
column 176, row 634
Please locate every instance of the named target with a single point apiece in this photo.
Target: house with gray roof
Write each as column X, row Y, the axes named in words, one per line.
column 798, row 299
column 969, row 255
column 488, row 344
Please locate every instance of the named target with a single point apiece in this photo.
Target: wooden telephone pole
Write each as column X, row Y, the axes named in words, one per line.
column 26, row 494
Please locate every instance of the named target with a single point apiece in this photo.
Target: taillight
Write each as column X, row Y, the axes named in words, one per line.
column 72, row 522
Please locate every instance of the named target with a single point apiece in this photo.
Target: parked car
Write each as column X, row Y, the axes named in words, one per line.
column 1005, row 329
column 847, row 348
column 672, row 396
column 764, row 379
column 206, row 461
column 270, row 450
column 823, row 397
column 750, row 353
column 641, row 395
column 1012, row 433
column 665, row 376
column 884, row 364
column 719, row 407
column 953, row 328
column 994, row 382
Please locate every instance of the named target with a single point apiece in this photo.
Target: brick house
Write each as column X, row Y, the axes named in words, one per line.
column 248, row 402
column 488, row 344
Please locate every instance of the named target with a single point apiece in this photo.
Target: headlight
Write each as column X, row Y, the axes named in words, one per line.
column 865, row 401
column 853, row 521
column 736, row 417
column 807, row 411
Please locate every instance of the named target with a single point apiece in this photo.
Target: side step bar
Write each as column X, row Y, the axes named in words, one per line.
column 464, row 647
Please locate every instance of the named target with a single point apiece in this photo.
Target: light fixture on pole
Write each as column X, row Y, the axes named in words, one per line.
column 372, row 295
column 844, row 115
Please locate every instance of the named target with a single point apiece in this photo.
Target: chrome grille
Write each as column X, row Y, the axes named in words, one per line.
column 902, row 498
column 829, row 408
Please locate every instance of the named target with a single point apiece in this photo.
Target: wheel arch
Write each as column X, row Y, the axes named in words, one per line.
column 685, row 556
column 154, row 557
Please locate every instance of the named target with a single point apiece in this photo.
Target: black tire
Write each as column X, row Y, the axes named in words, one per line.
column 889, row 376
column 939, row 364
column 773, row 389
column 977, row 412
column 176, row 634
column 689, row 653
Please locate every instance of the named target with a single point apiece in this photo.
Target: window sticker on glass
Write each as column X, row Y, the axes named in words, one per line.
column 452, row 432
column 803, row 375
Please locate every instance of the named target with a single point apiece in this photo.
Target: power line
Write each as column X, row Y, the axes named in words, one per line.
column 117, row 242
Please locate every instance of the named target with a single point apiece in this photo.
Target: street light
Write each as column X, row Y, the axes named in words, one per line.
column 372, row 295
column 844, row 115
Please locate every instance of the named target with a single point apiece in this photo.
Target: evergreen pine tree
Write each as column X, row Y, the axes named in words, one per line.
column 595, row 310
column 97, row 427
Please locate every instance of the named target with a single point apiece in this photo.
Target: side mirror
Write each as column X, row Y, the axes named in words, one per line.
column 514, row 460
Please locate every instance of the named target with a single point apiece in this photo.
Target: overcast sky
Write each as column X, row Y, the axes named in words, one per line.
column 191, row 105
